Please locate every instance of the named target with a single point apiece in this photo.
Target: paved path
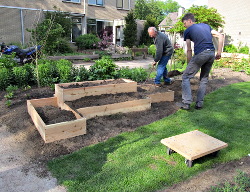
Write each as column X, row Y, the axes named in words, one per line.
column 144, row 63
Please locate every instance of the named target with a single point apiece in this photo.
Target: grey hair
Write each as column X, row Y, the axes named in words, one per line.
column 152, row 29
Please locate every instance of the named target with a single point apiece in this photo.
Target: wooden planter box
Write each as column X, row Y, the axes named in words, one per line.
column 164, row 96
column 123, row 107
column 56, row 131
column 76, row 93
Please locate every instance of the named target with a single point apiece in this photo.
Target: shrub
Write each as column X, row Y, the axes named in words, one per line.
column 21, row 76
column 64, row 69
column 47, row 73
column 80, row 74
column 152, row 50
column 244, row 50
column 5, row 78
column 8, row 61
column 230, row 48
column 87, row 41
column 104, row 68
column 136, row 74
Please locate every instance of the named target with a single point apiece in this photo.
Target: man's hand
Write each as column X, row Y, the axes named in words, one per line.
column 154, row 63
column 218, row 56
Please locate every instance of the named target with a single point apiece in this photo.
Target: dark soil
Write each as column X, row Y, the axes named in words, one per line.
column 99, row 129
column 91, row 84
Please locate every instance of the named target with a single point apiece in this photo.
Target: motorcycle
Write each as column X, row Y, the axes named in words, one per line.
column 22, row 55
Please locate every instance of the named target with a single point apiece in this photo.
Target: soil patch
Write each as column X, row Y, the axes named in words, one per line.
column 53, row 115
column 31, row 146
column 91, row 84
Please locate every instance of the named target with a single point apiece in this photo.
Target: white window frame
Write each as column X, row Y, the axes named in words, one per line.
column 129, row 4
column 72, row 1
column 96, row 3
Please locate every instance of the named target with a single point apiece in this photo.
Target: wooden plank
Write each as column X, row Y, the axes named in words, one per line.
column 194, row 144
column 76, row 93
column 57, row 131
column 164, row 96
column 65, row 130
column 37, row 120
column 123, row 107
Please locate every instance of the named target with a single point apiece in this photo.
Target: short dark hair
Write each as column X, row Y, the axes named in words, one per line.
column 188, row 16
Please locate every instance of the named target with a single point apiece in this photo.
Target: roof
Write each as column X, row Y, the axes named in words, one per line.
column 170, row 20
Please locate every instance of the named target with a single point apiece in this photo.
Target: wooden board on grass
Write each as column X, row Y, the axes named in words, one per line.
column 194, row 144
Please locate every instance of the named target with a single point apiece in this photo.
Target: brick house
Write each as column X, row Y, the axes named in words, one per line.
column 87, row 15
column 237, row 18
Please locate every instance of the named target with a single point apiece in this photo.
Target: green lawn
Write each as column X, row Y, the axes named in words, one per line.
column 137, row 161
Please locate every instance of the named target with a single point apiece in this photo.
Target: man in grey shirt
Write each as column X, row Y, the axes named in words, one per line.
column 164, row 51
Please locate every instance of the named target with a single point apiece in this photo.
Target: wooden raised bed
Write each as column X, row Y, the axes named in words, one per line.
column 71, row 94
column 56, row 131
column 162, row 95
column 122, row 107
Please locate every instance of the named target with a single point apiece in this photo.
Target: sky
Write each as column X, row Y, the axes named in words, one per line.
column 188, row 3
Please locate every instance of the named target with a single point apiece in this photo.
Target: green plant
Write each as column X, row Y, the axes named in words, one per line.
column 11, row 88
column 64, row 69
column 86, row 59
column 21, row 76
column 230, row 48
column 5, row 77
column 244, row 50
column 104, row 68
column 87, row 41
column 130, row 30
column 47, row 73
column 9, row 95
column 135, row 74
column 80, row 74
column 8, row 103
column 241, row 184
column 8, row 61
column 152, row 50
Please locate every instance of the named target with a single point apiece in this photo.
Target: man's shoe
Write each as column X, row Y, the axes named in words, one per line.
column 184, row 106
column 170, row 82
column 197, row 107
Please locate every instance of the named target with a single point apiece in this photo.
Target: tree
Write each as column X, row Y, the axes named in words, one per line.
column 202, row 14
column 145, row 39
column 170, row 6
column 130, row 30
column 154, row 8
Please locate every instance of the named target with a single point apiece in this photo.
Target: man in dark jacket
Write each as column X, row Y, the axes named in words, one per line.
column 164, row 51
column 204, row 55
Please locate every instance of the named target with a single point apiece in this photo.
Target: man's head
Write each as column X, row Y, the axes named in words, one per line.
column 152, row 32
column 188, row 20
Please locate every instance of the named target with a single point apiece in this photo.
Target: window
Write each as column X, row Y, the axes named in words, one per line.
column 96, row 2
column 73, row 1
column 123, row 4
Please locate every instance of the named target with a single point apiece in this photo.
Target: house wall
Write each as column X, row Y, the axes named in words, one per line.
column 237, row 18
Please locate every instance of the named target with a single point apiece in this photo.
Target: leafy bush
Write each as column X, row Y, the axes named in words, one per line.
column 87, row 41
column 104, row 68
column 47, row 73
column 5, row 78
column 180, row 56
column 21, row 76
column 64, row 68
column 244, row 50
column 230, row 48
column 136, row 74
column 152, row 50
column 8, row 61
column 80, row 74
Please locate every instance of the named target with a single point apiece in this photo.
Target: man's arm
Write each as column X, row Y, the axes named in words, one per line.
column 220, row 44
column 189, row 50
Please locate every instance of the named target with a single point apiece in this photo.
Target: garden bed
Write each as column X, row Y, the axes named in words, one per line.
column 57, row 130
column 64, row 92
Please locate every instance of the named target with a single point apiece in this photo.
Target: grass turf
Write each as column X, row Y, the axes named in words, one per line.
column 137, row 161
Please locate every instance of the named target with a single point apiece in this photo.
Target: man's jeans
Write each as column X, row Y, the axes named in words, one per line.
column 162, row 70
column 203, row 61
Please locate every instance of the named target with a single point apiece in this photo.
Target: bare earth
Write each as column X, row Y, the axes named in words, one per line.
column 24, row 154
